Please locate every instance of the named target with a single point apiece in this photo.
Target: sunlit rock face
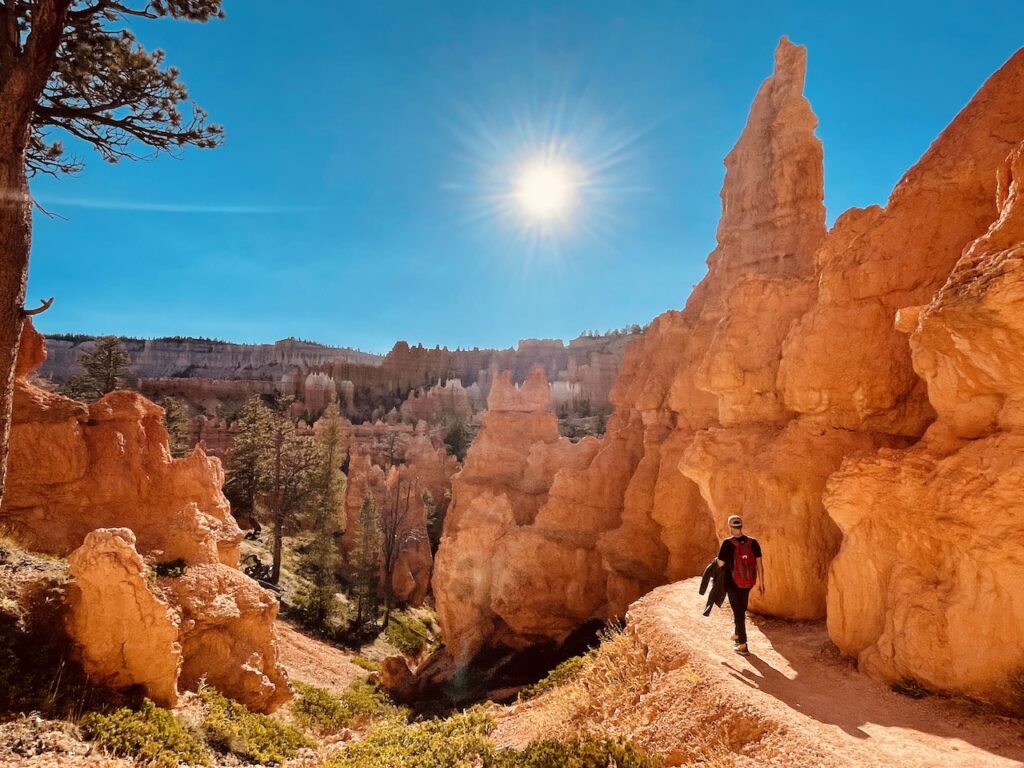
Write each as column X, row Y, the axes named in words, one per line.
column 625, row 519
column 74, row 468
column 503, row 574
column 927, row 583
column 127, row 635
column 97, row 483
column 855, row 395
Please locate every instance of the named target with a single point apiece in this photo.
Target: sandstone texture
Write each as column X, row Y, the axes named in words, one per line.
column 75, row 468
column 926, row 585
column 97, row 483
column 127, row 634
column 503, row 573
column 855, row 394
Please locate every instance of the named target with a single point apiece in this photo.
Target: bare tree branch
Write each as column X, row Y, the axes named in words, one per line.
column 45, row 305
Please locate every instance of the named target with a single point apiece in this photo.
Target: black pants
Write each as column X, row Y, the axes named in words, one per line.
column 738, row 599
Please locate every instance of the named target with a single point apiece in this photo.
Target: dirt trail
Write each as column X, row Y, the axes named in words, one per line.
column 794, row 701
column 315, row 663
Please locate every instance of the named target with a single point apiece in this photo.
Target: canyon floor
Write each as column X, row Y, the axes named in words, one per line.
column 793, row 701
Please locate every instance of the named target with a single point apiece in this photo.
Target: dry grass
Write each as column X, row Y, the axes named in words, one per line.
column 612, row 695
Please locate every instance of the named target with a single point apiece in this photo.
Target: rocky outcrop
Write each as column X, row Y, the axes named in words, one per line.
column 505, row 572
column 75, row 468
column 98, row 484
column 227, row 635
column 926, row 586
column 203, row 358
column 786, row 391
column 128, row 636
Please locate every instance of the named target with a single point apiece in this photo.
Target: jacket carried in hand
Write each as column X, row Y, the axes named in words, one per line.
column 716, row 575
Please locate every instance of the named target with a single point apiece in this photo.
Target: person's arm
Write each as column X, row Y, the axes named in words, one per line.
column 721, row 554
column 760, row 575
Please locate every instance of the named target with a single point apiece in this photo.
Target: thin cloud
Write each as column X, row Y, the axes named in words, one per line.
column 157, row 207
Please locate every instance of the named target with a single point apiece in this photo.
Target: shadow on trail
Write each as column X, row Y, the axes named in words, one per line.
column 833, row 693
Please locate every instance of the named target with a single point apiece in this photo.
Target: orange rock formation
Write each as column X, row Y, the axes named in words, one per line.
column 98, row 483
column 786, row 391
column 927, row 583
column 503, row 572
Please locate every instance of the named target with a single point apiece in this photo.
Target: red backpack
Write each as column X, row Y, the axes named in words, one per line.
column 744, row 564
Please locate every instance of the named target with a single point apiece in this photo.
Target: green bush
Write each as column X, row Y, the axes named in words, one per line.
column 232, row 727
column 368, row 664
column 458, row 742
column 363, row 702
column 462, row 741
column 407, row 633
column 323, row 712
column 569, row 670
column 587, row 752
column 151, row 735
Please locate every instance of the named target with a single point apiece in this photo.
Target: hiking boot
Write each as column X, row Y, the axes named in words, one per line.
column 742, row 650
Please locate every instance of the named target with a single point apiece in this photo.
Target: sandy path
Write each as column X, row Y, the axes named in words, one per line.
column 313, row 662
column 808, row 698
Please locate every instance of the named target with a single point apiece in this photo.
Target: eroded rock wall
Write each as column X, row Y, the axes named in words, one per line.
column 504, row 571
column 97, row 483
column 786, row 391
column 926, row 586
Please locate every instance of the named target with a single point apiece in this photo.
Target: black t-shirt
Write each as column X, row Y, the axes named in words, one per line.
column 728, row 550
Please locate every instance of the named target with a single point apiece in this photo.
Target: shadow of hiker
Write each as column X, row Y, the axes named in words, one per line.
column 832, row 692
column 770, row 680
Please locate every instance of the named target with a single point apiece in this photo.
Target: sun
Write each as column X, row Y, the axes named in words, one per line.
column 546, row 190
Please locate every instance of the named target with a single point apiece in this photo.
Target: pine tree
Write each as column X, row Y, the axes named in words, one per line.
column 395, row 535
column 245, row 471
column 103, row 370
column 435, row 520
column 320, row 600
column 457, row 438
column 289, row 479
column 72, row 66
column 366, row 561
column 178, row 425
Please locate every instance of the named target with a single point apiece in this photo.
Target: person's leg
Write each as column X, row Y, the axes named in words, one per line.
column 740, row 612
column 738, row 603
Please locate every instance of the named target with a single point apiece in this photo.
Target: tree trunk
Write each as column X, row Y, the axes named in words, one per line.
column 387, row 605
column 278, row 511
column 22, row 78
column 15, row 243
column 275, row 570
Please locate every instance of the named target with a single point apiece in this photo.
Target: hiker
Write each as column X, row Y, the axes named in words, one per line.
column 740, row 558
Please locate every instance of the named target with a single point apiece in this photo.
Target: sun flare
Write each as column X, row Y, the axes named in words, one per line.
column 545, row 190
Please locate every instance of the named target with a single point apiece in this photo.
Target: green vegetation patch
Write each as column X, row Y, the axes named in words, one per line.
column 230, row 726
column 150, row 734
column 566, row 672
column 462, row 741
column 368, row 664
column 407, row 633
column 321, row 711
column 174, row 569
column 458, row 742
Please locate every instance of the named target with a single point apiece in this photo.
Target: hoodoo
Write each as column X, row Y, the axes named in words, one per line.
column 788, row 391
column 98, row 483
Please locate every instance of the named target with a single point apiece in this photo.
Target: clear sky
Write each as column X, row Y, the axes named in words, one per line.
column 361, row 194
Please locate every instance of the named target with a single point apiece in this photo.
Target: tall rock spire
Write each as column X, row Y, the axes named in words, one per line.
column 773, row 212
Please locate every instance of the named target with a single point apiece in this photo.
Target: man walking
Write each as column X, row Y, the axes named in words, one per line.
column 740, row 558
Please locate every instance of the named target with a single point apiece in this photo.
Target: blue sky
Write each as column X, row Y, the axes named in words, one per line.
column 352, row 202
